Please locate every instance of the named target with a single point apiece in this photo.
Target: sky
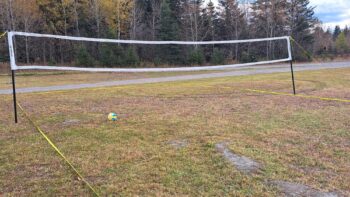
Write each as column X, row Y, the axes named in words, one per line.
column 330, row 12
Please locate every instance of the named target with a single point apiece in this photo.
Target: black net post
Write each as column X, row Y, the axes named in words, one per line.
column 293, row 80
column 291, row 63
column 14, row 95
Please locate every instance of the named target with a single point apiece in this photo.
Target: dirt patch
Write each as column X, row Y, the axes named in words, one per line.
column 294, row 189
column 242, row 163
column 178, row 144
column 4, row 68
column 71, row 122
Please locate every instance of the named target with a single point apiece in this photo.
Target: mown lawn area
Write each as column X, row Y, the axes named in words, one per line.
column 295, row 139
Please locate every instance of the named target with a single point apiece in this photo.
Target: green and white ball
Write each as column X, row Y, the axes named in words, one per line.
column 112, row 117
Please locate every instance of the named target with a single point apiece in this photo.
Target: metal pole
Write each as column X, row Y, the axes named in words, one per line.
column 290, row 51
column 14, row 95
column 292, row 71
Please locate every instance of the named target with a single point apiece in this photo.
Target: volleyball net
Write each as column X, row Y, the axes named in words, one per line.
column 32, row 51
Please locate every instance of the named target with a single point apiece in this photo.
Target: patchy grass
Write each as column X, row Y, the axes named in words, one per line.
column 296, row 139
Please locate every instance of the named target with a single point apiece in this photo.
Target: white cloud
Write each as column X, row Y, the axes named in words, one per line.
column 332, row 13
column 326, row 6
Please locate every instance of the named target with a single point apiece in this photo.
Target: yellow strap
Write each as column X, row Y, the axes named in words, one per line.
column 299, row 95
column 308, row 54
column 58, row 151
column 3, row 34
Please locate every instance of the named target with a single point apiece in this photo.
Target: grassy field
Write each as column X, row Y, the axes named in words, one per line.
column 295, row 139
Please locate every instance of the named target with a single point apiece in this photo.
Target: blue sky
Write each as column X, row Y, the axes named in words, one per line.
column 330, row 12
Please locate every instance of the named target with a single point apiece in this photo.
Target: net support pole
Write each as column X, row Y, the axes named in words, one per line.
column 14, row 95
column 13, row 72
column 293, row 80
column 291, row 63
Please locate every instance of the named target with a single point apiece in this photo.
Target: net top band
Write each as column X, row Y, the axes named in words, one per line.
column 144, row 41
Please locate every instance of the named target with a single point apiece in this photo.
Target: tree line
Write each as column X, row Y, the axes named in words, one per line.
column 189, row 20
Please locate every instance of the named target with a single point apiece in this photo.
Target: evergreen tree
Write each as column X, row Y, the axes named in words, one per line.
column 145, row 14
column 169, row 31
column 176, row 8
column 111, row 55
column 341, row 43
column 301, row 21
column 336, row 32
column 233, row 20
column 196, row 57
column 147, row 24
column 130, row 57
column 346, row 31
column 232, row 26
column 217, row 57
column 209, row 16
column 83, row 57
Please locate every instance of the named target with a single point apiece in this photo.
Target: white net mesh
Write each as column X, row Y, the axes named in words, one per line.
column 103, row 53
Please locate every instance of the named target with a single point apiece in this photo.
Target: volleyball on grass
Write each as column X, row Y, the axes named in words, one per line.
column 112, row 117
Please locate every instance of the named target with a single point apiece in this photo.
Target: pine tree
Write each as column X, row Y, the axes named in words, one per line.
column 336, row 32
column 301, row 21
column 147, row 24
column 176, row 8
column 347, row 34
column 111, row 55
column 346, row 30
column 233, row 24
column 130, row 57
column 83, row 57
column 168, row 25
column 217, row 57
column 209, row 16
column 341, row 43
column 196, row 57
column 208, row 31
column 169, row 31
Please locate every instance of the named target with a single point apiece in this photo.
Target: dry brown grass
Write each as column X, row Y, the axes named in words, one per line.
column 296, row 139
